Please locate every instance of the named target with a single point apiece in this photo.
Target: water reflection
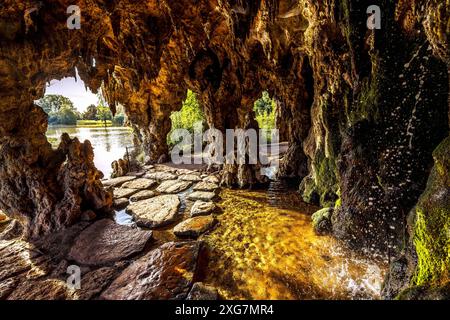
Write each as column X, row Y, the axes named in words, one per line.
column 267, row 251
column 109, row 143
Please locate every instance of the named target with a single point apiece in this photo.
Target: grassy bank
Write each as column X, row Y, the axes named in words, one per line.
column 93, row 123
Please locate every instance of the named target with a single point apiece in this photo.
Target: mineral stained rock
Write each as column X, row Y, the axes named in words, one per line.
column 194, row 227
column 140, row 183
column 201, row 208
column 167, row 272
column 173, row 186
column 105, row 242
column 155, row 212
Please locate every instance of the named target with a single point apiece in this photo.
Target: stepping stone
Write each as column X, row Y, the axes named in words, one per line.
column 190, row 177
column 105, row 242
column 155, row 212
column 173, row 186
column 117, row 182
column 95, row 282
column 206, row 186
column 200, row 291
column 212, row 179
column 142, row 195
column 124, row 192
column 202, row 195
column 161, row 176
column 165, row 273
column 136, row 174
column 121, row 203
column 193, row 227
column 140, row 183
column 201, row 208
column 149, row 167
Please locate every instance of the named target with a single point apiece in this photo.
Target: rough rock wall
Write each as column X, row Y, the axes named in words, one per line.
column 364, row 109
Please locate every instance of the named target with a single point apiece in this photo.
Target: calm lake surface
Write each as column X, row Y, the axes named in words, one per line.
column 109, row 143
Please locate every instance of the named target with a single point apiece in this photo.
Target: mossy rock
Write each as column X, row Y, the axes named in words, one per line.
column 426, row 293
column 321, row 221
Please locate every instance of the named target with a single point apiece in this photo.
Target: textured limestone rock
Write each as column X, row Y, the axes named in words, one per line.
column 106, row 242
column 173, row 186
column 161, row 176
column 190, row 177
column 155, row 212
column 321, row 221
column 206, row 186
column 164, row 273
column 200, row 291
column 140, row 183
column 12, row 230
column 3, row 217
column 117, row 182
column 211, row 179
column 51, row 289
column 14, row 258
column 194, row 227
column 202, row 195
column 124, row 192
column 142, row 195
column 94, row 282
column 201, row 208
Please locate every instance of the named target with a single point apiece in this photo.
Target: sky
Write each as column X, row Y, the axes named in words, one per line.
column 74, row 90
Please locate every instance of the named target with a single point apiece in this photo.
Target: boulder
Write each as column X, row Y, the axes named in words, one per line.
column 206, row 186
column 142, row 195
column 161, row 176
column 105, row 242
column 212, row 179
column 120, row 204
column 117, row 182
column 201, row 208
column 193, row 227
column 155, row 212
column 321, row 221
column 173, row 186
column 202, row 195
column 50, row 289
column 164, row 273
column 141, row 183
column 124, row 192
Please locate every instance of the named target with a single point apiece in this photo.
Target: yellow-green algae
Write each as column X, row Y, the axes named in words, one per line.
column 265, row 249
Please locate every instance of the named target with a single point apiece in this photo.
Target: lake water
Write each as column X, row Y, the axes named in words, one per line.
column 109, row 143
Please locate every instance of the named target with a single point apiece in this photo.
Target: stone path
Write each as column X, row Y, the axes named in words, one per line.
column 120, row 261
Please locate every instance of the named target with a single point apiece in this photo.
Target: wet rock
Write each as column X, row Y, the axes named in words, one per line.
column 173, row 186
column 155, row 212
column 94, row 282
column 124, row 192
column 141, row 183
column 164, row 273
column 117, row 182
column 88, row 215
column 202, row 195
column 161, row 176
column 142, row 195
column 201, row 208
column 206, row 186
column 121, row 203
column 200, row 291
column 12, row 230
column 321, row 221
column 212, row 179
column 193, row 227
column 51, row 289
column 190, row 177
column 106, row 242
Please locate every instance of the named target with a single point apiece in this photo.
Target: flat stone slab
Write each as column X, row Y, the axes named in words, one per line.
column 161, row 176
column 155, row 212
column 190, row 177
column 164, row 273
column 206, row 186
column 50, row 289
column 117, row 182
column 193, row 227
column 124, row 192
column 173, row 186
column 212, row 179
column 201, row 208
column 141, row 183
column 120, row 204
column 202, row 195
column 105, row 242
column 142, row 195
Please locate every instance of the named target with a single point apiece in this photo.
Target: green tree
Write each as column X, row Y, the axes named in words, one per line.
column 53, row 102
column 103, row 114
column 90, row 113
